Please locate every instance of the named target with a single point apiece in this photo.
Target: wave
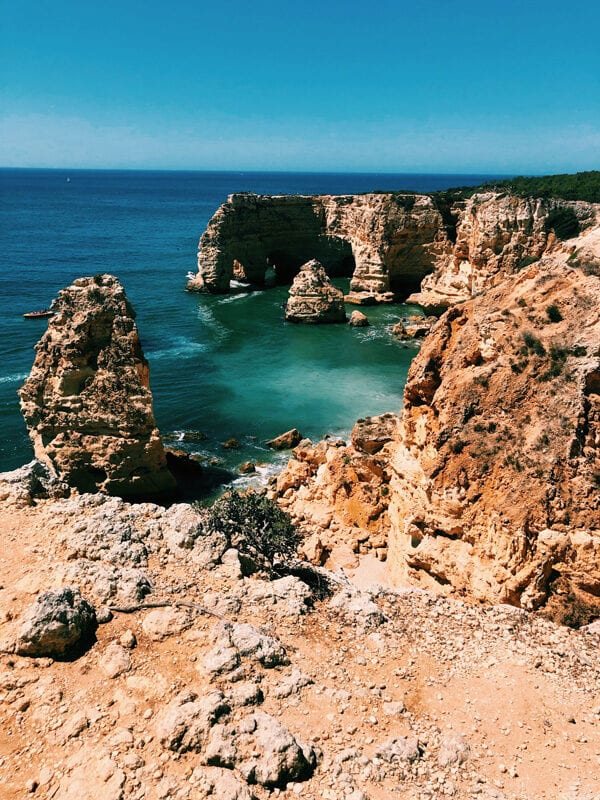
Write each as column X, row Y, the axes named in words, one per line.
column 233, row 297
column 208, row 319
column 181, row 347
column 16, row 377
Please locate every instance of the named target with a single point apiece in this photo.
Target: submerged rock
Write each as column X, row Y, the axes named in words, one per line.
column 87, row 402
column 313, row 298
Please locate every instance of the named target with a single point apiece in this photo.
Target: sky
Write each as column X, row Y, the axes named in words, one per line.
column 492, row 86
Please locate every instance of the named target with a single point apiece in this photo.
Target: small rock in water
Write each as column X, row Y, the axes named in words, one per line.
column 286, row 440
column 358, row 320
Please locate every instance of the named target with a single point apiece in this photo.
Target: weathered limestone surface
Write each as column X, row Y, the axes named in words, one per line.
column 87, row 402
column 496, row 235
column 494, row 479
column 313, row 298
column 387, row 243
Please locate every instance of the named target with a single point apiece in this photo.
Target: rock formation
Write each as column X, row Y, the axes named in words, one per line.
column 358, row 319
column 338, row 494
column 494, row 487
column 87, row 402
column 313, row 299
column 496, row 235
column 386, row 242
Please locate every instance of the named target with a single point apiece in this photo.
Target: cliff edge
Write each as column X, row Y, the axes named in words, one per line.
column 392, row 246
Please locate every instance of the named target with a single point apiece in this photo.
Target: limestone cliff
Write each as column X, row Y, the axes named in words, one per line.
column 386, row 242
column 494, row 480
column 389, row 244
column 496, row 235
column 87, row 402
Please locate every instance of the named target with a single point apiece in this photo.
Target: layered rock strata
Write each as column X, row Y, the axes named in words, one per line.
column 389, row 244
column 386, row 243
column 496, row 236
column 313, row 299
column 87, row 402
column 494, row 479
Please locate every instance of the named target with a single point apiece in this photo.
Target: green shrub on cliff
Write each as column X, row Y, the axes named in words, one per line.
column 255, row 526
column 563, row 222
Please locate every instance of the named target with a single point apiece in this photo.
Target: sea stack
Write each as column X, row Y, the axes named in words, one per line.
column 87, row 402
column 313, row 298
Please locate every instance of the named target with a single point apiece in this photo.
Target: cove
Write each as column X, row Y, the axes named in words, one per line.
column 245, row 373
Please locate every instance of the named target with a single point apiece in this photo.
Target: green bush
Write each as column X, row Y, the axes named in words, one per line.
column 563, row 221
column 553, row 313
column 526, row 261
column 255, row 526
column 532, row 345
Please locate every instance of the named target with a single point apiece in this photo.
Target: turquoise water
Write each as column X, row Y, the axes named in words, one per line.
column 226, row 366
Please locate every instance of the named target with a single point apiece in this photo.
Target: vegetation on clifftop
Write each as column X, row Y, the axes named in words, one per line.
column 578, row 186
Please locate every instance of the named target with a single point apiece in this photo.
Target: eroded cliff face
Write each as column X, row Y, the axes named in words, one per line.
column 494, row 479
column 496, row 235
column 386, row 243
column 389, row 244
column 87, row 402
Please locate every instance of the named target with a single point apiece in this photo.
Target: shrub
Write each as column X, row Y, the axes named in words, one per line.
column 255, row 526
column 553, row 313
column 457, row 446
column 533, row 344
column 563, row 221
column 526, row 261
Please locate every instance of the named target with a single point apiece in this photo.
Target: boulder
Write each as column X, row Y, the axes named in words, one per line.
column 185, row 723
column 262, row 750
column 358, row 319
column 87, row 401
column 60, row 624
column 372, row 433
column 286, row 441
column 313, row 298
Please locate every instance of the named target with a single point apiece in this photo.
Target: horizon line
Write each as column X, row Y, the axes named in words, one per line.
column 273, row 171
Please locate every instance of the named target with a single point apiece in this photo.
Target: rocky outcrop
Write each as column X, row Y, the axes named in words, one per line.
column 87, row 402
column 358, row 320
column 236, row 684
column 496, row 236
column 338, row 493
column 494, row 486
column 413, row 327
column 386, row 242
column 313, row 299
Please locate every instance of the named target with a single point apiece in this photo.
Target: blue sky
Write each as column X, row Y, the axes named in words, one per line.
column 422, row 86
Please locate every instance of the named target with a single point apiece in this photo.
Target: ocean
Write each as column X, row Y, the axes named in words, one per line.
column 221, row 367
